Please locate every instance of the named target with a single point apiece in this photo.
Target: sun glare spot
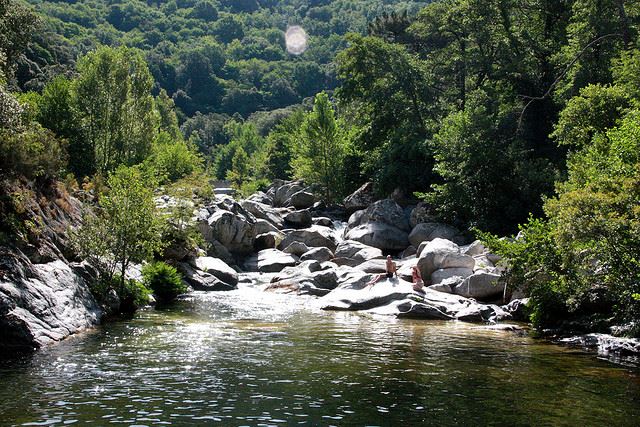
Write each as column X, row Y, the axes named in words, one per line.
column 296, row 39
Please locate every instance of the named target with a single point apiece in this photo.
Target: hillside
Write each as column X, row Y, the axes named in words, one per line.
column 210, row 56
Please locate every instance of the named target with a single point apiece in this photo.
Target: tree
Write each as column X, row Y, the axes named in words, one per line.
column 321, row 149
column 126, row 227
column 112, row 95
column 17, row 23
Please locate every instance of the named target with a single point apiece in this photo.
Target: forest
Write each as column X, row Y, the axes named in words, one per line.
column 507, row 117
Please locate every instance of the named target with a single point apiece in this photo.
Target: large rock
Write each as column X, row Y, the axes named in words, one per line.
column 315, row 278
column 218, row 268
column 281, row 194
column 482, row 286
column 380, row 235
column 317, row 254
column 314, row 236
column 299, row 219
column 360, row 199
column 201, row 280
column 357, row 251
column 386, row 212
column 296, row 248
column 302, row 200
column 423, row 212
column 431, row 230
column 441, row 253
column 443, row 274
column 273, row 260
column 263, row 211
column 263, row 226
column 235, row 231
column 267, row 241
column 42, row 303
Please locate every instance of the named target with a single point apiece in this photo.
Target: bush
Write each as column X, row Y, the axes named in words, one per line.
column 34, row 153
column 164, row 280
column 173, row 160
column 133, row 296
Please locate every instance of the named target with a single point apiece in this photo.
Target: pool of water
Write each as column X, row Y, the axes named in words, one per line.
column 252, row 358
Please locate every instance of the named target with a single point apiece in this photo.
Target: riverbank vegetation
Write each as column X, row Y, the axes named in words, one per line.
column 504, row 117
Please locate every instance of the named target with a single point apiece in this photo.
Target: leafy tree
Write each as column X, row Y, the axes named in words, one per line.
column 17, row 23
column 319, row 153
column 112, row 95
column 125, row 229
column 173, row 159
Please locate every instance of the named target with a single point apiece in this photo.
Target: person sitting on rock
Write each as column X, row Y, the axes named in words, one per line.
column 418, row 283
column 391, row 270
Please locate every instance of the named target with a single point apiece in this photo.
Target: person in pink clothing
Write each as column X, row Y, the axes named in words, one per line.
column 418, row 283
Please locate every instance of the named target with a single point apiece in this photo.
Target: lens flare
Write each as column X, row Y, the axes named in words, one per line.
column 296, row 39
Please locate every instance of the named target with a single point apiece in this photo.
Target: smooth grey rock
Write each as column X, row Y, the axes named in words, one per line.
column 378, row 265
column 518, row 309
column 482, row 263
column 410, row 251
column 263, row 226
column 218, row 268
column 441, row 287
column 273, row 260
column 481, row 286
column 360, row 199
column 317, row 254
column 42, row 303
column 283, row 193
column 357, row 251
column 423, row 212
column 431, row 230
column 441, row 253
column 417, row 310
column 443, row 274
column 379, row 235
column 201, row 280
column 387, row 212
column 296, row 248
column 264, row 211
column 260, row 197
column 314, row 236
column 302, row 200
column 475, row 248
column 299, row 219
column 234, row 231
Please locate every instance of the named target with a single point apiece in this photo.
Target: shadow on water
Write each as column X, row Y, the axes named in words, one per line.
column 250, row 358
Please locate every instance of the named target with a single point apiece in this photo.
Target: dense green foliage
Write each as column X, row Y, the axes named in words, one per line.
column 164, row 280
column 126, row 228
column 209, row 55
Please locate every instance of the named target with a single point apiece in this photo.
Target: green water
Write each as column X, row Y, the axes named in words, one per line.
column 250, row 358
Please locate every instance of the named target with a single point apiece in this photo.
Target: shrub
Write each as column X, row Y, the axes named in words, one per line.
column 164, row 280
column 134, row 296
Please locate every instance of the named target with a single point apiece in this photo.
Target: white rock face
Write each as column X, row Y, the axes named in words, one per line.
column 218, row 268
column 440, row 254
column 273, row 260
column 431, row 230
column 379, row 235
column 481, row 285
column 43, row 303
column 443, row 274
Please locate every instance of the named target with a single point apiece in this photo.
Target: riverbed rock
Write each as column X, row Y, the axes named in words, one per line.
column 42, row 303
column 296, row 248
column 302, row 200
column 299, row 219
column 314, row 236
column 262, row 226
column 518, row 308
column 235, row 231
column 357, row 251
column 315, row 278
column 379, row 235
column 474, row 249
column 360, row 199
column 281, row 192
column 431, row 230
column 419, row 310
column 481, row 285
column 421, row 213
column 273, row 260
column 317, row 254
column 323, row 221
column 267, row 240
column 441, row 253
column 443, row 274
column 264, row 211
column 387, row 212
column 218, row 268
column 606, row 344
column 200, row 280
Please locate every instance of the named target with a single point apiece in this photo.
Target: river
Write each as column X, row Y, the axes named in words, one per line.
column 252, row 358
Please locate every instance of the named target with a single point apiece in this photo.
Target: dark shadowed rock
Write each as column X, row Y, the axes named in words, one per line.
column 201, row 280
column 265, row 212
column 323, row 221
column 298, row 219
column 360, row 199
column 267, row 241
column 296, row 248
column 302, row 200
column 218, row 268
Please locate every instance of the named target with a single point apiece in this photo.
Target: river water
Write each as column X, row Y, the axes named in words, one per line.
column 251, row 358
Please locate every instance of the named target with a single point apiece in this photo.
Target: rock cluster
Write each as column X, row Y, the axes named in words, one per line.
column 282, row 232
